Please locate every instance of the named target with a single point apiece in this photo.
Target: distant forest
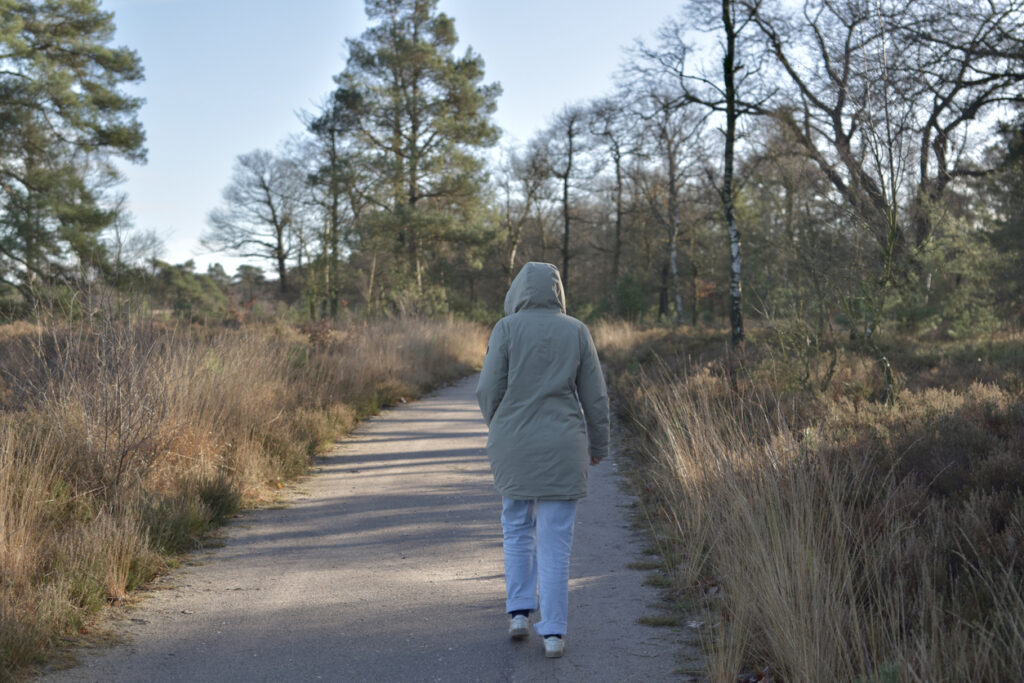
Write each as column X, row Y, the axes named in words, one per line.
column 843, row 166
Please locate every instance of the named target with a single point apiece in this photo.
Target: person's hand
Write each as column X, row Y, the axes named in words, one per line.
column 594, row 461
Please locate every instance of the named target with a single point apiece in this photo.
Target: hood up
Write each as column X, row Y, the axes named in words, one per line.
column 538, row 285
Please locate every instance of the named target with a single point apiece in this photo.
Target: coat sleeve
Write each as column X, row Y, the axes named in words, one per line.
column 593, row 395
column 494, row 376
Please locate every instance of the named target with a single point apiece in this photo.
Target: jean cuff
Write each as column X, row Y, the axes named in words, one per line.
column 513, row 605
column 549, row 628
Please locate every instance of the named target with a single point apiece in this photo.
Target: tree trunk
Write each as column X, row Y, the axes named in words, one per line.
column 693, row 273
column 282, row 265
column 419, row 270
column 674, row 260
column 565, row 232
column 673, row 238
column 514, row 234
column 545, row 244
column 735, row 259
column 332, row 266
column 617, row 250
column 513, row 248
column 663, row 293
column 282, row 274
column 369, row 287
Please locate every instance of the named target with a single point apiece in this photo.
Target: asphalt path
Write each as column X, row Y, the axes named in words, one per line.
column 386, row 565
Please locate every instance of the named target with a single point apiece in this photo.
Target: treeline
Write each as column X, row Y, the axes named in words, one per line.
column 865, row 151
column 868, row 154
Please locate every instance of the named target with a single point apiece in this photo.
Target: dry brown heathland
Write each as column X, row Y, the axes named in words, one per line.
column 824, row 536
column 122, row 441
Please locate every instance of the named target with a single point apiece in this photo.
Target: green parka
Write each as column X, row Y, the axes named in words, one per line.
column 542, row 393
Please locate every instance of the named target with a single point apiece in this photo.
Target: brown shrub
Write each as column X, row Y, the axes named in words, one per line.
column 122, row 442
column 844, row 539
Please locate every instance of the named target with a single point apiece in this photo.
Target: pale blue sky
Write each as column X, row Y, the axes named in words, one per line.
column 224, row 77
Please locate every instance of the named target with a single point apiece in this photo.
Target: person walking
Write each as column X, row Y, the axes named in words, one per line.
column 543, row 397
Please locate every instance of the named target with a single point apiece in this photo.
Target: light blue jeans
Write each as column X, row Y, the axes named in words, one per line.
column 537, row 539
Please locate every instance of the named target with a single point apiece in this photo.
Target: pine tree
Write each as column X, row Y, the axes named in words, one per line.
column 63, row 117
column 419, row 114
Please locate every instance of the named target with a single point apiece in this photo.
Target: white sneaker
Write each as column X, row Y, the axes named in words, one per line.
column 519, row 627
column 554, row 646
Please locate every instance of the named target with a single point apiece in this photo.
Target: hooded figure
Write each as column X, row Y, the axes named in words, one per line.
column 543, row 397
column 541, row 367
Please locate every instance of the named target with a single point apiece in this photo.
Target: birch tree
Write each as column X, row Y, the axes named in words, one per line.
column 718, row 89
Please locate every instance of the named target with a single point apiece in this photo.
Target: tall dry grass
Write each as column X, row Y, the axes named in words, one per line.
column 831, row 538
column 122, row 442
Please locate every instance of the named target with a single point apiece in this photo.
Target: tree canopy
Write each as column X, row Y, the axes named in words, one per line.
column 418, row 115
column 63, row 117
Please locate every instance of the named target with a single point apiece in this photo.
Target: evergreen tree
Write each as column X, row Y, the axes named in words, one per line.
column 340, row 184
column 419, row 114
column 63, row 117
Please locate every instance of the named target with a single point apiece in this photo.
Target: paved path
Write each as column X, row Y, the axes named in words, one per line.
column 386, row 566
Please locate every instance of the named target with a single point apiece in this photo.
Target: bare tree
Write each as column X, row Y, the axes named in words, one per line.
column 673, row 127
column 129, row 247
column 610, row 127
column 522, row 180
column 565, row 145
column 260, row 212
column 967, row 62
column 843, row 108
column 872, row 86
column 830, row 97
column 879, row 89
column 718, row 89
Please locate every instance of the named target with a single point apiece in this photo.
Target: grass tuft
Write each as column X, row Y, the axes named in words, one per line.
column 644, row 565
column 659, row 620
column 825, row 535
column 124, row 441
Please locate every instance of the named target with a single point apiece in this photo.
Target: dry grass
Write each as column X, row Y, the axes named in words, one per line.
column 840, row 539
column 122, row 442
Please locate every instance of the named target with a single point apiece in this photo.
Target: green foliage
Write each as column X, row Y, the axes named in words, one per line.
column 176, row 523
column 62, row 118
column 249, row 278
column 430, row 301
column 1007, row 221
column 404, row 127
column 190, row 295
column 629, row 298
column 954, row 293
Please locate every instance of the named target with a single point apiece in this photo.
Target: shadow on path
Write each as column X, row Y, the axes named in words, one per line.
column 387, row 567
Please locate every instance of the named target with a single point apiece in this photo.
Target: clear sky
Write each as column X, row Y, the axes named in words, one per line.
column 224, row 77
